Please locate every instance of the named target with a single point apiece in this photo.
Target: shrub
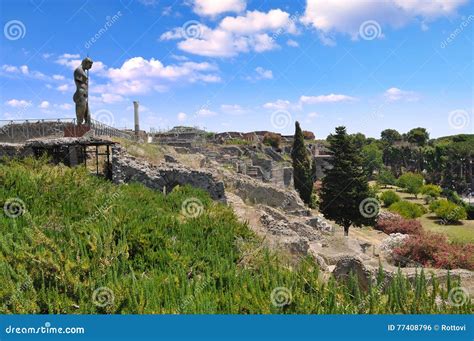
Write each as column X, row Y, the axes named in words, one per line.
column 411, row 182
column 435, row 204
column 407, row 209
column 397, row 224
column 433, row 249
column 272, row 139
column 431, row 190
column 386, row 177
column 389, row 197
column 450, row 212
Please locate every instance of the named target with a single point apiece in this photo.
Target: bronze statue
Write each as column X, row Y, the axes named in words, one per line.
column 81, row 96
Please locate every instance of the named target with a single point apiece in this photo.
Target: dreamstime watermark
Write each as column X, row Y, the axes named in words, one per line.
column 457, row 31
column 102, row 209
column 192, row 208
column 281, row 119
column 104, row 116
column 19, row 289
column 458, row 296
column 369, row 207
column 191, row 29
column 103, row 297
column 459, row 119
column 190, row 298
column 370, row 30
column 14, row 30
column 109, row 22
column 46, row 329
column 14, row 207
column 281, row 296
column 288, row 25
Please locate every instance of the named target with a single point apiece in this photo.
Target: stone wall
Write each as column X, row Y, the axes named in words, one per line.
column 14, row 150
column 163, row 177
column 257, row 192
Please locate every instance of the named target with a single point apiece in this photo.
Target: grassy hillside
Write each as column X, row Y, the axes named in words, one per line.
column 78, row 244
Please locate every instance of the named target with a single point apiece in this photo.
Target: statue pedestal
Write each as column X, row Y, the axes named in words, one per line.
column 73, row 130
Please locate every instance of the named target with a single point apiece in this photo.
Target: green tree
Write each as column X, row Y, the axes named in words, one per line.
column 411, row 182
column 390, row 136
column 359, row 140
column 386, row 177
column 419, row 136
column 372, row 158
column 345, row 186
column 302, row 170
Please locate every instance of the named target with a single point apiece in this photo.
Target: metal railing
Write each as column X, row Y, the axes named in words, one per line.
column 101, row 129
column 22, row 130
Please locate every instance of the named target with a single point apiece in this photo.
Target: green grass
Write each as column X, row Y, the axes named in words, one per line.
column 78, row 234
column 462, row 233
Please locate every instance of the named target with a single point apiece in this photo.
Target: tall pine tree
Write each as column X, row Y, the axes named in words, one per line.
column 302, row 172
column 345, row 185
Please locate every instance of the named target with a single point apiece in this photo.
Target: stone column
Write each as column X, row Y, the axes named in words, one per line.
column 137, row 120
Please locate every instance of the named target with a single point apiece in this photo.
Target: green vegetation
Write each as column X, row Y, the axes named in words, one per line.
column 78, row 233
column 386, row 177
column 389, row 197
column 345, row 186
column 272, row 139
column 411, row 182
column 449, row 212
column 433, row 191
column 236, row 141
column 302, row 167
column 407, row 209
column 372, row 158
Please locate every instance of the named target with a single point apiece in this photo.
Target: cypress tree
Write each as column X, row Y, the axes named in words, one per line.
column 345, row 185
column 302, row 172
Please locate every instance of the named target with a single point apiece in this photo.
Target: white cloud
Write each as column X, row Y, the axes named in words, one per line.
column 44, row 105
column 279, row 104
column 331, row 98
column 151, row 3
column 58, row 77
column 313, row 114
column 260, row 73
column 111, row 98
column 264, row 74
column 18, row 103
column 182, row 117
column 205, row 113
column 234, row 35
column 346, row 17
column 72, row 61
column 64, row 88
column 256, row 21
column 396, row 94
column 292, row 43
column 233, row 109
column 215, row 7
column 23, row 70
column 139, row 75
column 64, row 106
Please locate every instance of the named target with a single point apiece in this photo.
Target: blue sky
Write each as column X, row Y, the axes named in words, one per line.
column 245, row 65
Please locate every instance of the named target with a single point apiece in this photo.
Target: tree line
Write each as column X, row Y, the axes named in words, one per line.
column 411, row 157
